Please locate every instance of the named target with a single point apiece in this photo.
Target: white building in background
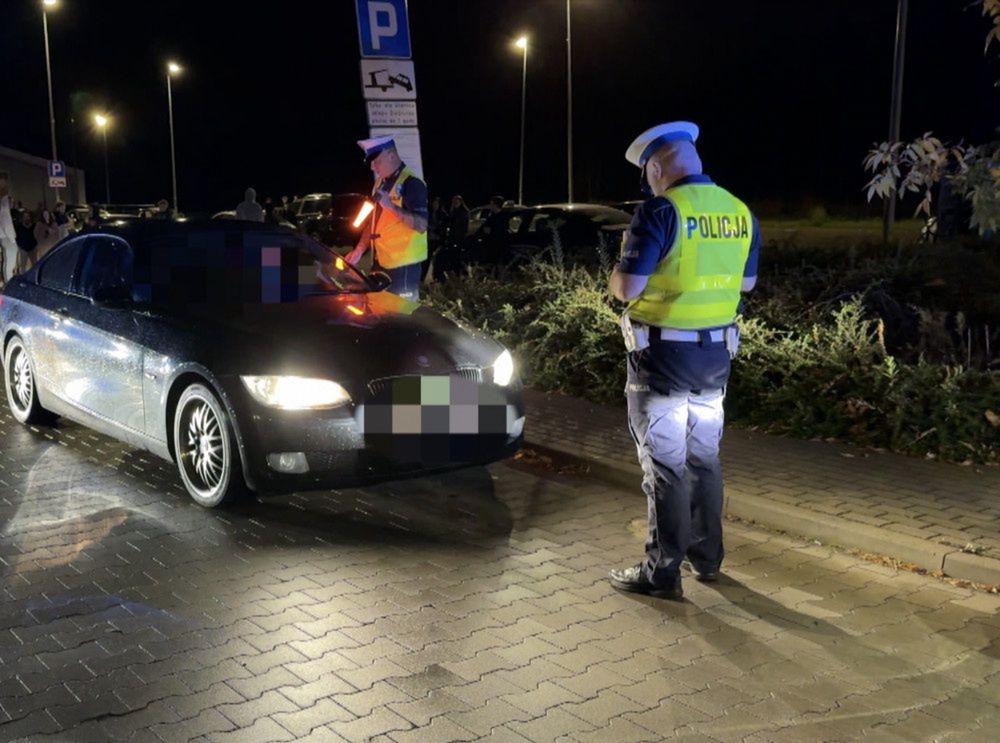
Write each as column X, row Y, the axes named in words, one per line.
column 28, row 177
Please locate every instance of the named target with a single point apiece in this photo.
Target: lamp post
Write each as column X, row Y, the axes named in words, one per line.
column 102, row 122
column 896, row 107
column 569, row 103
column 522, row 44
column 172, row 69
column 46, row 6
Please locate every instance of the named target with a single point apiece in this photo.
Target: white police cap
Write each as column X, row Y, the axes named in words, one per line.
column 652, row 139
column 374, row 146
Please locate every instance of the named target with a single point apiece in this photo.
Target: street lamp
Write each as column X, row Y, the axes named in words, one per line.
column 895, row 108
column 522, row 44
column 46, row 6
column 172, row 69
column 102, row 122
column 569, row 103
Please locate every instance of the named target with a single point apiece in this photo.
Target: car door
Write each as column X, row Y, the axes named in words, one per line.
column 52, row 339
column 108, row 355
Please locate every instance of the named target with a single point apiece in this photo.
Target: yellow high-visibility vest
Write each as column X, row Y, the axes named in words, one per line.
column 698, row 284
column 396, row 243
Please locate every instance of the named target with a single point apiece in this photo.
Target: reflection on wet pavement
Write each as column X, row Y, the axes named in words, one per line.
column 465, row 606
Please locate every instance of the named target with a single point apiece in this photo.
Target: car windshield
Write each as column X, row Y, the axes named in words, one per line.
column 234, row 267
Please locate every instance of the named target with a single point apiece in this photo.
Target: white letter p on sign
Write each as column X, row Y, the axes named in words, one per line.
column 388, row 14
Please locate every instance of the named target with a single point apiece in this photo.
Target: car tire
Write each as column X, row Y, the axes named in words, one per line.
column 19, row 381
column 205, row 448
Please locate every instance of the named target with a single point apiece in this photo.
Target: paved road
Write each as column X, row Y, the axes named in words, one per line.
column 466, row 607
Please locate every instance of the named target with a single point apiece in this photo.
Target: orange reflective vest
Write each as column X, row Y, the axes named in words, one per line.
column 396, row 243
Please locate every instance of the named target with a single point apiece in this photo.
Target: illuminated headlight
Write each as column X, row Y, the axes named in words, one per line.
column 296, row 393
column 503, row 369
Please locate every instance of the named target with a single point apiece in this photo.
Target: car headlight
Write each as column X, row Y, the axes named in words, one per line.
column 503, row 369
column 296, row 393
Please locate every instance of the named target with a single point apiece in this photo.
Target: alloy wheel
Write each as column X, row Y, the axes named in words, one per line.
column 204, row 456
column 22, row 383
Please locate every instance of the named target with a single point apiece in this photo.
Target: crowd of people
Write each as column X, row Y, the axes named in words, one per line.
column 449, row 226
column 270, row 212
column 26, row 235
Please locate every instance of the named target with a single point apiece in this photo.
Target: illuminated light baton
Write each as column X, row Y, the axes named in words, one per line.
column 367, row 208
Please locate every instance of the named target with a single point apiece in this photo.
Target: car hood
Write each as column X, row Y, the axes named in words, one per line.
column 348, row 337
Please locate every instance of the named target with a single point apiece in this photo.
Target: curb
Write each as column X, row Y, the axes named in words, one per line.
column 802, row 522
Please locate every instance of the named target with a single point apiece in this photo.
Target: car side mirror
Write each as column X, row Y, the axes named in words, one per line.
column 112, row 297
column 379, row 280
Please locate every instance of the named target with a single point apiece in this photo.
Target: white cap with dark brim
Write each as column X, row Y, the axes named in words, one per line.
column 652, row 139
column 375, row 146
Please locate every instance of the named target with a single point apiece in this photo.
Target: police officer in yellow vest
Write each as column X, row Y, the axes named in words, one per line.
column 690, row 251
column 397, row 230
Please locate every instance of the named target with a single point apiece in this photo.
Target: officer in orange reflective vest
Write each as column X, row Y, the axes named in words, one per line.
column 689, row 252
column 397, row 230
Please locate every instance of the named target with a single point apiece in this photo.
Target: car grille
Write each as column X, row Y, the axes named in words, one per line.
column 468, row 373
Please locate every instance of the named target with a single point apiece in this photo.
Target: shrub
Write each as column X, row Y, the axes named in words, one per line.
column 818, row 358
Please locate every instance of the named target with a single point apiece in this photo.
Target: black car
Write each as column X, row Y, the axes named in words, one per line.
column 628, row 207
column 587, row 234
column 253, row 357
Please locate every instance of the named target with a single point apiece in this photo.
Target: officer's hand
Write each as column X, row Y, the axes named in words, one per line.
column 383, row 199
column 354, row 256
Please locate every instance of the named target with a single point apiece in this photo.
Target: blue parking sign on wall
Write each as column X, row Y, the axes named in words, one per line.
column 384, row 28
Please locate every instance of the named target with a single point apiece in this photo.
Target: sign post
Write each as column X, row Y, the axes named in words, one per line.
column 388, row 82
column 57, row 174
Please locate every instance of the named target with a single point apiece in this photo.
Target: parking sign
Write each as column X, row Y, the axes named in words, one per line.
column 384, row 28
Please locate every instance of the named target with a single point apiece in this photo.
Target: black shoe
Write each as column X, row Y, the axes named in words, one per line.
column 634, row 580
column 703, row 575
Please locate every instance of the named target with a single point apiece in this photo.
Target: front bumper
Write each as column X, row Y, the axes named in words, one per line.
column 380, row 439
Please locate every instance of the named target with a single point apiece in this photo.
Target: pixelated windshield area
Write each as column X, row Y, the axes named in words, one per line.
column 236, row 268
column 434, row 418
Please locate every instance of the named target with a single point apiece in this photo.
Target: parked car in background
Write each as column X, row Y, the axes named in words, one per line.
column 628, row 207
column 477, row 216
column 80, row 213
column 310, row 205
column 335, row 226
column 259, row 362
column 516, row 234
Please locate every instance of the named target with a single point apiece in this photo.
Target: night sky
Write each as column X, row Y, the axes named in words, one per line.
column 789, row 94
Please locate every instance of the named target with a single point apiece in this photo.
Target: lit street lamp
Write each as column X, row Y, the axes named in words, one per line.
column 522, row 44
column 46, row 5
column 102, row 122
column 172, row 69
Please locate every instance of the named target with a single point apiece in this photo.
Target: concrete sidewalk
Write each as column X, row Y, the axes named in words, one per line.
column 938, row 516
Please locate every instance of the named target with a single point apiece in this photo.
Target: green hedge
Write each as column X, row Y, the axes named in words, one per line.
column 820, row 375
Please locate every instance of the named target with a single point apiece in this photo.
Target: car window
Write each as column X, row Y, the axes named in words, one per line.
column 59, row 269
column 314, row 206
column 106, row 265
column 295, row 207
column 542, row 222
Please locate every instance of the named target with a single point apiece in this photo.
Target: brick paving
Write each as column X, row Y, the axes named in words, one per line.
column 472, row 606
column 945, row 504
